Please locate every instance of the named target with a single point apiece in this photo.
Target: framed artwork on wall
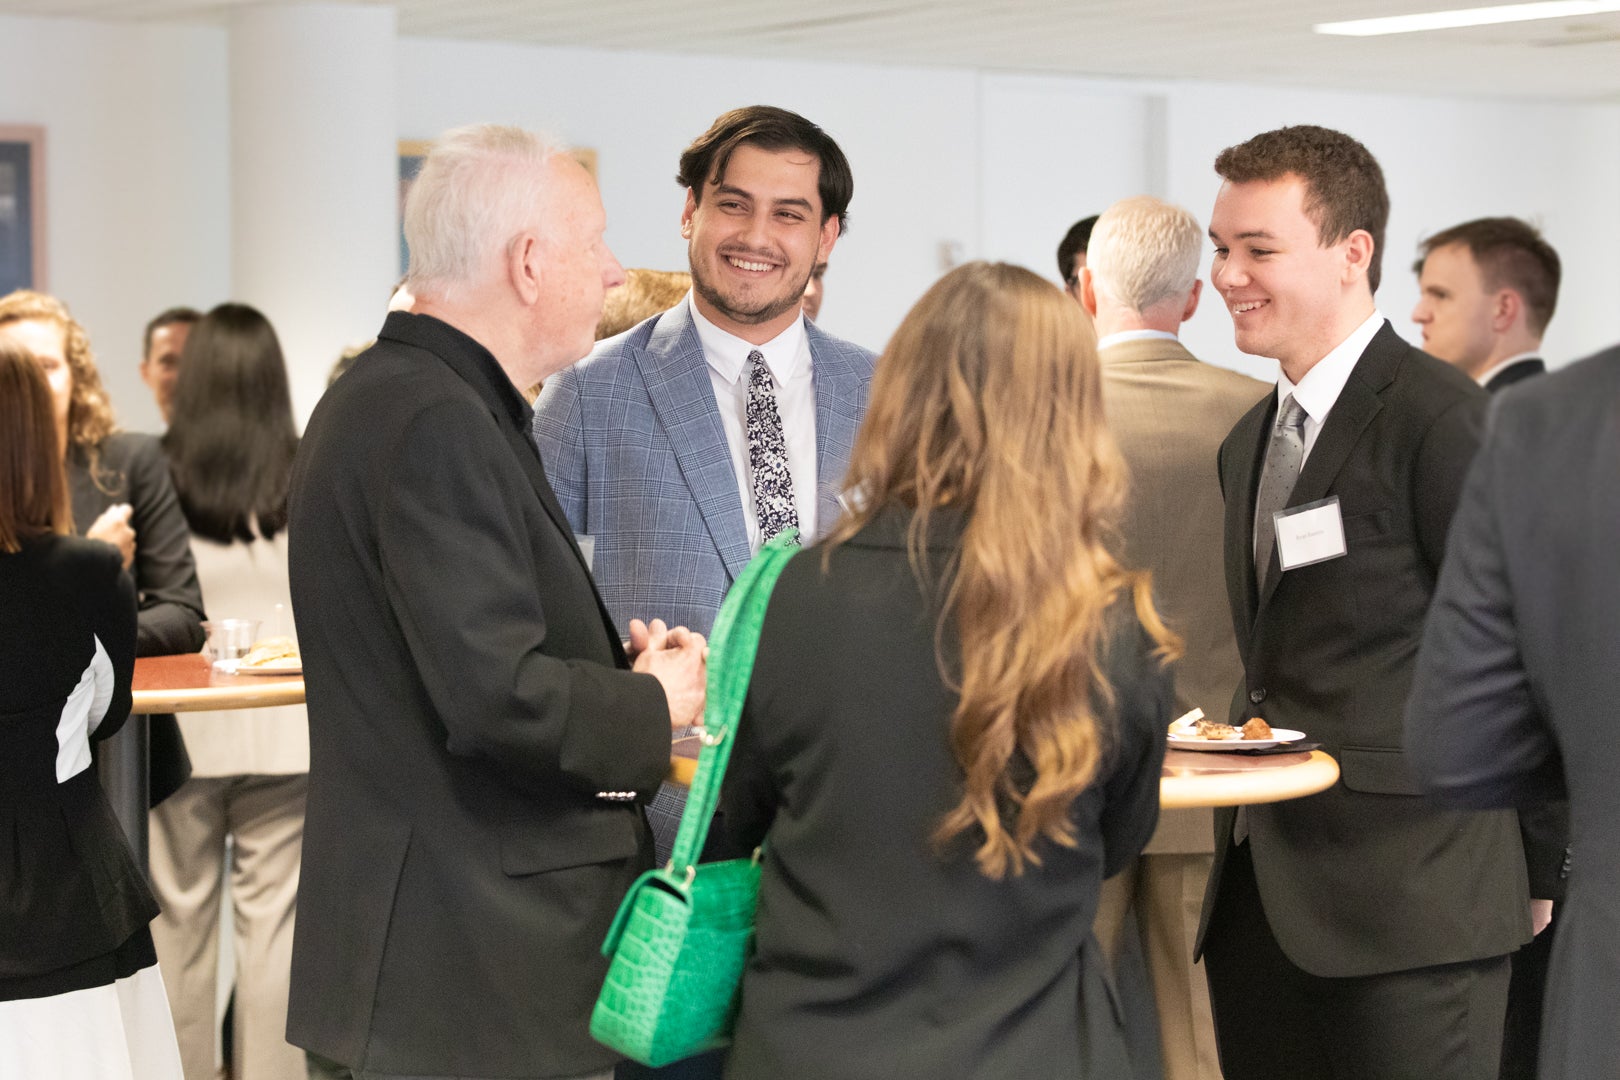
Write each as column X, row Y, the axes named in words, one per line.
column 22, row 207
column 412, row 152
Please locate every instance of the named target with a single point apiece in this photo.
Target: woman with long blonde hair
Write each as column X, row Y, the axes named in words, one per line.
column 955, row 725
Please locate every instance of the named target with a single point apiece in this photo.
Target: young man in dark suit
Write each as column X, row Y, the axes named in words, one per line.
column 479, row 744
column 1520, row 668
column 1489, row 287
column 1363, row 932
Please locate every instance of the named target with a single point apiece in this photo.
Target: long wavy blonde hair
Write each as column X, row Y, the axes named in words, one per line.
column 90, row 411
column 988, row 401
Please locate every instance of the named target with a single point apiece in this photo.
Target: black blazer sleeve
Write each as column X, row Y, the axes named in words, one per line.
column 171, row 601
column 476, row 629
column 1144, row 695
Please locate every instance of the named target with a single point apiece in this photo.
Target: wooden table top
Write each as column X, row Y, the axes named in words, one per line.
column 188, row 683
column 1189, row 778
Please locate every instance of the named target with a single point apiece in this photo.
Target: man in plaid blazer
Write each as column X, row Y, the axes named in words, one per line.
column 651, row 442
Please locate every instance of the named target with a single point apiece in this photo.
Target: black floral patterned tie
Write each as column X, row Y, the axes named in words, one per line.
column 767, row 454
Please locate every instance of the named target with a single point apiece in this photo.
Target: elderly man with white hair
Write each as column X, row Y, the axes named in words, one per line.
column 480, row 743
column 1169, row 413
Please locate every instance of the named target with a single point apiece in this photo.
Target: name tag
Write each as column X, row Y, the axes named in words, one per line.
column 1308, row 534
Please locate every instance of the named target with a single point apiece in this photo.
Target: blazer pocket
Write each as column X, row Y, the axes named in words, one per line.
column 532, row 847
column 1377, row 770
column 1367, row 526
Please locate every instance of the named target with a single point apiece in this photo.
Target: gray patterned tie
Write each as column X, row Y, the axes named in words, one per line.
column 767, row 454
column 1283, row 458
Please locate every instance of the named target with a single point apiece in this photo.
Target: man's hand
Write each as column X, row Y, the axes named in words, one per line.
column 113, row 527
column 677, row 659
column 1540, row 915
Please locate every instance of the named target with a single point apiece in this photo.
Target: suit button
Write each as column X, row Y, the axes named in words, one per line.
column 1563, row 871
column 1257, row 696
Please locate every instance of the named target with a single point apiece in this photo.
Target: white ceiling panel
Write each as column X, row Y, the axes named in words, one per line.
column 1247, row 41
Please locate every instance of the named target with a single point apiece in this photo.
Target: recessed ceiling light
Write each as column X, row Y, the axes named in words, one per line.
column 1481, row 16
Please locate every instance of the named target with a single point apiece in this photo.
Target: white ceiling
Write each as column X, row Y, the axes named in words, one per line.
column 1248, row 41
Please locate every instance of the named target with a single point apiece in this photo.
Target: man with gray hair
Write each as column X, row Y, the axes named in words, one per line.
column 1169, row 413
column 480, row 743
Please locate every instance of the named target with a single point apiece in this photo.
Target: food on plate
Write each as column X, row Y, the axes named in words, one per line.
column 1194, row 726
column 271, row 650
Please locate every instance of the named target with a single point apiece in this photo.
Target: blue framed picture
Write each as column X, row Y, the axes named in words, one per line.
column 22, row 211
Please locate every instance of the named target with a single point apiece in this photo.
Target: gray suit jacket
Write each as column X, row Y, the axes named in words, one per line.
column 1519, row 672
column 632, row 442
column 1169, row 413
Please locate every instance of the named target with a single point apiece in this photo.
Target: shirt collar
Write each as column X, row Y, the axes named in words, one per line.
column 1135, row 335
column 1321, row 386
column 727, row 353
column 1490, row 373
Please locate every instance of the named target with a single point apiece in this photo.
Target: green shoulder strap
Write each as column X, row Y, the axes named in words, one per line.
column 731, row 665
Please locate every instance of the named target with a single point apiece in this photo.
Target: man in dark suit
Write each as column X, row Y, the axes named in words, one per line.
column 1489, row 287
column 478, row 744
column 1520, row 670
column 1169, row 413
column 1363, row 932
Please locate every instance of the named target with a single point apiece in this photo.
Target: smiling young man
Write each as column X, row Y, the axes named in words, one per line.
column 1378, row 921
column 683, row 444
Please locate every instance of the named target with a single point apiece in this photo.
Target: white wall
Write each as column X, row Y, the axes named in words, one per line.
column 136, row 175
column 996, row 165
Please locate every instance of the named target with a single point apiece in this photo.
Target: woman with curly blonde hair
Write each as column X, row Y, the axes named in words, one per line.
column 956, row 722
column 121, row 493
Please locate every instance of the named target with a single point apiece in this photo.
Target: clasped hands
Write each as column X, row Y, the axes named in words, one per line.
column 678, row 659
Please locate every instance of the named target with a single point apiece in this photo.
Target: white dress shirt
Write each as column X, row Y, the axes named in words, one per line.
column 1121, row 336
column 1320, row 388
column 787, row 356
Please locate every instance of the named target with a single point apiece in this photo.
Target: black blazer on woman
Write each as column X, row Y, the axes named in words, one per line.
column 132, row 469
column 69, row 887
column 877, row 954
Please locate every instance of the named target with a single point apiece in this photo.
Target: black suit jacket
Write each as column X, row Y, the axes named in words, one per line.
column 69, row 886
column 133, row 469
column 1520, row 671
column 1369, row 876
column 879, row 955
column 1516, row 372
column 468, row 699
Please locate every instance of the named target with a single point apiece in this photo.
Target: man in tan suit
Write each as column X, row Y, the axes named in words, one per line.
column 1169, row 413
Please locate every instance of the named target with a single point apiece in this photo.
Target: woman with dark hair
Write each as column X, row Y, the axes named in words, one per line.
column 119, row 491
column 231, row 442
column 956, row 721
column 80, row 993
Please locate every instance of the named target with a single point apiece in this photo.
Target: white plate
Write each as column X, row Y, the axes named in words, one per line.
column 290, row 666
column 1281, row 735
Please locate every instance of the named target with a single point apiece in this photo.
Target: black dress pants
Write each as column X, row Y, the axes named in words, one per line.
column 1275, row 1021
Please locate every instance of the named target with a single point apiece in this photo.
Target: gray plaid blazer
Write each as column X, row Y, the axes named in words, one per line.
column 632, row 442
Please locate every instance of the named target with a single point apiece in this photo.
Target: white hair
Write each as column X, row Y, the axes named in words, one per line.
column 1144, row 252
column 478, row 189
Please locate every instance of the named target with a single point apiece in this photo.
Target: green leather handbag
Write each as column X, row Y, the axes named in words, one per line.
column 684, row 932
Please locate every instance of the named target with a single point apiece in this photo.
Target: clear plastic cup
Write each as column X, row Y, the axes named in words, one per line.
column 229, row 640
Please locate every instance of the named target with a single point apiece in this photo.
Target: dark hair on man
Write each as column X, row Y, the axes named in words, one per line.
column 1512, row 254
column 1344, row 187
column 232, row 438
column 33, row 489
column 1075, row 242
column 167, row 318
column 769, row 128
